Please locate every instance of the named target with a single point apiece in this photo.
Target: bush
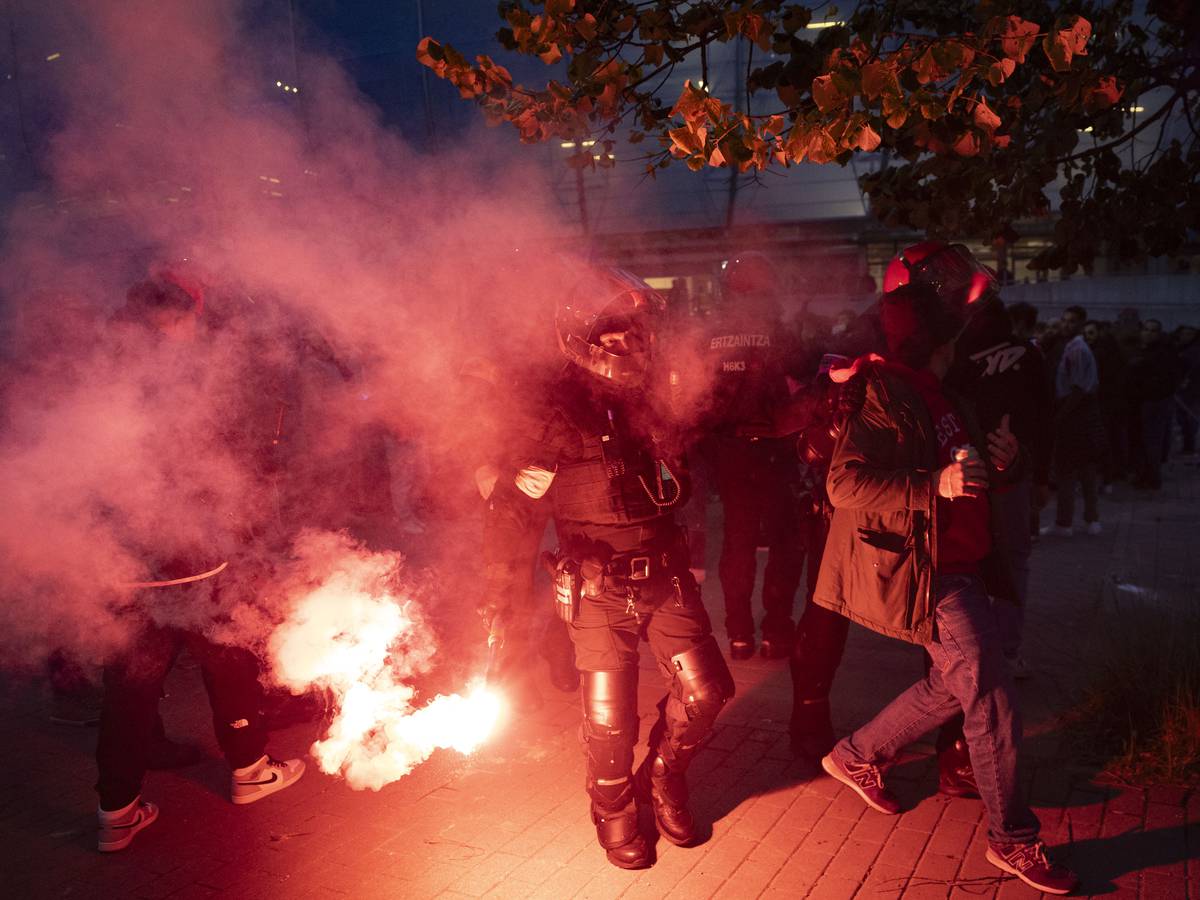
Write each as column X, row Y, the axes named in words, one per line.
column 1141, row 714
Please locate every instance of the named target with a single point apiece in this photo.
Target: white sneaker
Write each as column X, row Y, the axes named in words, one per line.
column 263, row 778
column 1094, row 528
column 1056, row 530
column 117, row 827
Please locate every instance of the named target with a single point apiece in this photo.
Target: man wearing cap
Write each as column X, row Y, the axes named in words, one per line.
column 911, row 554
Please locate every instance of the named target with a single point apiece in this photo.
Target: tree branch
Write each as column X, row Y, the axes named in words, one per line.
column 1150, row 120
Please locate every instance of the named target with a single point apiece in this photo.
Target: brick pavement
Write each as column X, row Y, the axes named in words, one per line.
column 511, row 821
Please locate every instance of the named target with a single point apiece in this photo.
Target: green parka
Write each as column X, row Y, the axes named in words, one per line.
column 881, row 554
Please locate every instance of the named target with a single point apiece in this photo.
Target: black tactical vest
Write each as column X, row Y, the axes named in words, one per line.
column 611, row 478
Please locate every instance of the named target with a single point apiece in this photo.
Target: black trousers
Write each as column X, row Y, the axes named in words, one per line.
column 606, row 635
column 820, row 641
column 132, row 687
column 755, row 481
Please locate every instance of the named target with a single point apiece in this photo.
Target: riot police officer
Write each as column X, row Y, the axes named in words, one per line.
column 598, row 452
column 756, row 470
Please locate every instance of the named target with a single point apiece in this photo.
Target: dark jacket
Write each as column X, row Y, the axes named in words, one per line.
column 746, row 352
column 1155, row 373
column 1004, row 375
column 881, row 554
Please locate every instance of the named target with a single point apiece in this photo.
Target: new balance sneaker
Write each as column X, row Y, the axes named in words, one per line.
column 264, row 777
column 865, row 780
column 1029, row 863
column 741, row 649
column 117, row 827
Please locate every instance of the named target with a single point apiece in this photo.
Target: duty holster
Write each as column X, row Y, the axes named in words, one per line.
column 573, row 580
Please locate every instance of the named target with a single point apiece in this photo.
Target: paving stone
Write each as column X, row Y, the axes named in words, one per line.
column 512, row 820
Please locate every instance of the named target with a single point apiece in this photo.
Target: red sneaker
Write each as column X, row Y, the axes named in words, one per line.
column 865, row 780
column 1029, row 863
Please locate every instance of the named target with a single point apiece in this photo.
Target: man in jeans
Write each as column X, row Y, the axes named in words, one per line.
column 1079, row 438
column 910, row 554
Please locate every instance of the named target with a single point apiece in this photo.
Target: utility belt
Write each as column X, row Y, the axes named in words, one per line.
column 588, row 578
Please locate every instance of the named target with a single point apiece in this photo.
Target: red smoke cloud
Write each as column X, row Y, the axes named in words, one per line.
column 348, row 278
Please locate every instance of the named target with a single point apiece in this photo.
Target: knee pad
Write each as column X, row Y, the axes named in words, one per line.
column 610, row 721
column 702, row 680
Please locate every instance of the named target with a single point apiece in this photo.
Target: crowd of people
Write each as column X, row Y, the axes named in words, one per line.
column 896, row 462
column 893, row 463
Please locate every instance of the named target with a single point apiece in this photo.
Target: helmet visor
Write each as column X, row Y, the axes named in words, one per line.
column 955, row 274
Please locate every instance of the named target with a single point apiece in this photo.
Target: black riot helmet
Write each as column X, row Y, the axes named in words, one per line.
column 607, row 323
column 961, row 280
column 750, row 274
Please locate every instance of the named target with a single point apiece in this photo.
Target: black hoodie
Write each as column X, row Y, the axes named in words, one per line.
column 1001, row 374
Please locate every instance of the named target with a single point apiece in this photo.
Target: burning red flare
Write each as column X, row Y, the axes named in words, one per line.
column 361, row 642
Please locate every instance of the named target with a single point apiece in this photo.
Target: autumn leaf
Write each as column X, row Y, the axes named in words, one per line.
column 879, row 78
column 924, row 138
column 951, row 55
column 931, row 107
column 967, row 145
column 586, row 27
column 822, row 148
column 690, row 104
column 1062, row 45
column 1001, row 70
column 1103, row 94
column 826, row 94
column 686, row 140
column 926, row 67
column 1058, row 51
column 797, row 143
column 867, row 139
column 1017, row 37
column 895, row 109
column 1077, row 34
column 984, row 118
column 431, row 54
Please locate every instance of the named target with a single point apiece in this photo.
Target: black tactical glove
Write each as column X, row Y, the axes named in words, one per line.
column 852, row 395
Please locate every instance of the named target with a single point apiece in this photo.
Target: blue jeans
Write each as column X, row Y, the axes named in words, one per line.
column 968, row 675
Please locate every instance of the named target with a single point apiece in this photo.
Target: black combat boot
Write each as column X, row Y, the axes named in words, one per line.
column 956, row 777
column 617, row 831
column 666, row 788
column 811, row 729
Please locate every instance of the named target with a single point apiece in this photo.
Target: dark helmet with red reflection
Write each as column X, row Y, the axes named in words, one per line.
column 607, row 323
column 950, row 269
column 750, row 273
column 184, row 274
